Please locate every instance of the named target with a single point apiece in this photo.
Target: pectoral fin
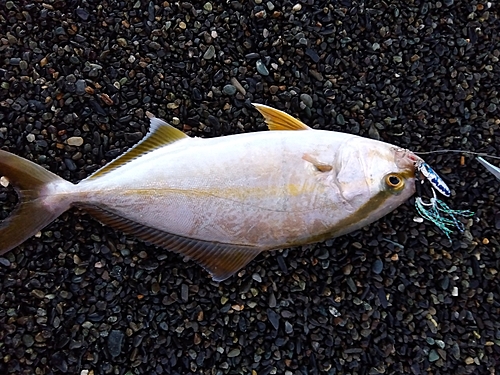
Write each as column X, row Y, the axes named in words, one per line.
column 219, row 259
column 320, row 166
column 279, row 120
column 160, row 134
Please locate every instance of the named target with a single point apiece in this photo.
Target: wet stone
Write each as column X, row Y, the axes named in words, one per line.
column 233, row 353
column 306, row 99
column 229, row 90
column 115, row 342
column 312, row 54
column 274, row 318
column 433, row 355
column 75, row 141
column 261, row 68
column 377, row 266
column 82, row 14
column 58, row 361
column 5, row 262
column 209, row 53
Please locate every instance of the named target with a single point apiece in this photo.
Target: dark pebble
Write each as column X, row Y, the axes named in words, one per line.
column 312, row 54
column 377, row 266
column 115, row 342
column 59, row 362
column 5, row 262
column 82, row 14
column 273, row 318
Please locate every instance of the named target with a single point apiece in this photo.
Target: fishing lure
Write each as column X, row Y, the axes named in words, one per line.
column 436, row 211
column 436, row 181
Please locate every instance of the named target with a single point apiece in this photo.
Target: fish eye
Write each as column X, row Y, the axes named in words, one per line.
column 394, row 181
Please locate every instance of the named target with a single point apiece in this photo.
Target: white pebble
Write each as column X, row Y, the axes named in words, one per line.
column 75, row 141
column 454, row 292
column 297, row 7
column 4, row 181
column 30, row 137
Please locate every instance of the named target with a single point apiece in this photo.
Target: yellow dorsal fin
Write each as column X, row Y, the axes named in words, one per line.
column 279, row 120
column 160, row 134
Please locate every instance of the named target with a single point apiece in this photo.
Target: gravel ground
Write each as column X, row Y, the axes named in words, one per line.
column 76, row 78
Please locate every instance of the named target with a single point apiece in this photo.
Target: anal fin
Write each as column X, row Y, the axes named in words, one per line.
column 221, row 260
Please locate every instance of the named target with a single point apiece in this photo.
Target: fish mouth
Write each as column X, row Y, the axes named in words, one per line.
column 406, row 160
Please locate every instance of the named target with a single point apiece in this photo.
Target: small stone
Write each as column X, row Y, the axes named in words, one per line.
column 4, row 181
column 433, row 356
column 80, row 87
column 37, row 293
column 122, row 42
column 28, row 340
column 273, row 318
column 273, row 89
column 82, row 13
column 5, row 262
column 238, row 86
column 115, row 342
column 208, row 6
column 377, row 266
column 312, row 54
column 233, row 353
column 261, row 68
column 307, row 100
column 58, row 360
column 455, row 351
column 75, row 141
column 257, row 277
column 297, row 7
column 440, row 344
column 229, row 90
column 30, row 137
column 209, row 53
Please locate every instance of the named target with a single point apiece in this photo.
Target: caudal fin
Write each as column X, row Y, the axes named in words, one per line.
column 37, row 207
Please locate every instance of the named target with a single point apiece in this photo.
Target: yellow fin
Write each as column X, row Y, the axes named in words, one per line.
column 160, row 134
column 279, row 120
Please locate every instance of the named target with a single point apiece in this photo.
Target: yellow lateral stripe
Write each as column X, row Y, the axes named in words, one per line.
column 279, row 120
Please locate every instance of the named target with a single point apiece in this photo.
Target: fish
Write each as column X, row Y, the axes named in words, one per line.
column 222, row 201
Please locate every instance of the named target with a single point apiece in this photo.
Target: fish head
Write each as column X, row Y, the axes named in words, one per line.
column 373, row 178
column 369, row 168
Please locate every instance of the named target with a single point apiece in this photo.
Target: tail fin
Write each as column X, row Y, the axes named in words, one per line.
column 37, row 207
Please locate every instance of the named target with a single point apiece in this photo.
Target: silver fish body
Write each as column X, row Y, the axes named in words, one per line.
column 222, row 201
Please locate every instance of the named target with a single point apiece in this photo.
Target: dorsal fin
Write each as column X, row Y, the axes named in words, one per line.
column 279, row 120
column 160, row 134
column 220, row 259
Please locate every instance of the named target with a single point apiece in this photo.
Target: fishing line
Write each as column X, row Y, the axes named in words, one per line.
column 458, row 152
